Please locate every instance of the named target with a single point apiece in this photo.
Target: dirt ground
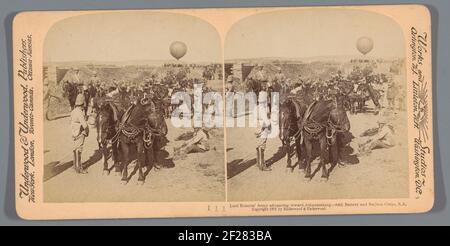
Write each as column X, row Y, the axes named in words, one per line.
column 197, row 177
column 380, row 174
column 201, row 176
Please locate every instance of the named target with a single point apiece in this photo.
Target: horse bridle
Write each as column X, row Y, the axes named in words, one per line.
column 108, row 129
column 289, row 128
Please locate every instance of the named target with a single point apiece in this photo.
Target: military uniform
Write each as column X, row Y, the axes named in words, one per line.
column 79, row 130
column 280, row 77
column 261, row 140
column 384, row 137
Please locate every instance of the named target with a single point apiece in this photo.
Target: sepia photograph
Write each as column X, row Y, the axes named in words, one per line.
column 162, row 113
column 108, row 135
column 340, row 130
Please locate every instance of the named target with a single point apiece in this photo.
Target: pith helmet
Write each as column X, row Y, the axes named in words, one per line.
column 80, row 100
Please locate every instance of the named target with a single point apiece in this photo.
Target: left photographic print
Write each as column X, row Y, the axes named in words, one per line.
column 110, row 133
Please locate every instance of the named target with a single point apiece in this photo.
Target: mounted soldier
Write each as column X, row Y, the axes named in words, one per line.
column 260, row 75
column 91, row 93
column 279, row 77
column 298, row 85
column 276, row 85
column 71, row 86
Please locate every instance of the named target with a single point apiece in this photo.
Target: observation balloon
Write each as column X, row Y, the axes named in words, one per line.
column 178, row 49
column 364, row 45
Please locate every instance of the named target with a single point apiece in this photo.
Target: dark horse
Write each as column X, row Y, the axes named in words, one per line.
column 157, row 127
column 316, row 123
column 338, row 124
column 291, row 113
column 140, row 128
column 89, row 95
column 107, row 120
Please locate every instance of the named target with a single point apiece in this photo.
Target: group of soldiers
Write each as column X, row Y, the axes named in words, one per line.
column 357, row 87
column 162, row 86
column 158, row 87
column 379, row 88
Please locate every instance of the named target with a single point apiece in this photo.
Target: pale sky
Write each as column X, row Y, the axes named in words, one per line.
column 309, row 33
column 130, row 36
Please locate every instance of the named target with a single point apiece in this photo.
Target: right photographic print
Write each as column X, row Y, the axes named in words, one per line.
column 324, row 114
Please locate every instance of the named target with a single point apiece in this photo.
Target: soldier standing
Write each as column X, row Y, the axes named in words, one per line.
column 262, row 136
column 391, row 94
column 80, row 130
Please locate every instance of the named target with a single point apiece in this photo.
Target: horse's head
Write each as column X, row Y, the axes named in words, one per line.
column 139, row 112
column 288, row 121
column 157, row 123
column 105, row 123
column 338, row 115
column 68, row 88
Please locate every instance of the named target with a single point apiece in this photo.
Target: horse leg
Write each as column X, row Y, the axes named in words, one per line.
column 126, row 161
column 150, row 158
column 104, row 148
column 308, row 147
column 155, row 162
column 288, row 155
column 323, row 157
column 339, row 147
column 298, row 149
column 140, row 161
column 333, row 155
column 115, row 156
column 155, row 149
